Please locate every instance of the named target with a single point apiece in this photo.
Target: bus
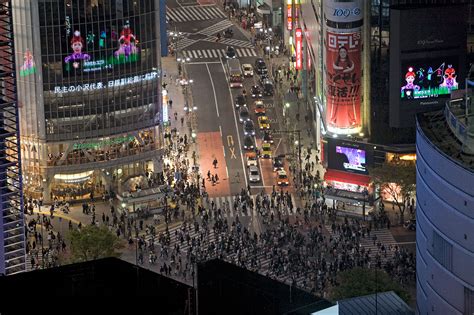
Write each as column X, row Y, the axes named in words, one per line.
column 236, row 76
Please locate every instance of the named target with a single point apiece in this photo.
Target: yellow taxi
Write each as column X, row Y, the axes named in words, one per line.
column 282, row 178
column 266, row 152
column 263, row 122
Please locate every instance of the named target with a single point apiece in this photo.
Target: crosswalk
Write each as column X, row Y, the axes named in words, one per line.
column 226, row 202
column 217, row 53
column 384, row 236
column 185, row 236
column 194, row 13
column 216, row 28
column 230, row 42
column 185, row 42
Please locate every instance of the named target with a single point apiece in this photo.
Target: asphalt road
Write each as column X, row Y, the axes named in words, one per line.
column 215, row 99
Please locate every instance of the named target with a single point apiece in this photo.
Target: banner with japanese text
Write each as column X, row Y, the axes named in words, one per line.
column 343, row 82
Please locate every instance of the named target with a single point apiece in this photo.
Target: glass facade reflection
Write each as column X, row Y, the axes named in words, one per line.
column 91, row 93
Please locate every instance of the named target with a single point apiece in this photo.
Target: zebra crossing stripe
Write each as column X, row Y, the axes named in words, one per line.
column 196, row 13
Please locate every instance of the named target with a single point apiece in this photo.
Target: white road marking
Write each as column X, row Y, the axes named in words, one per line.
column 236, row 127
column 214, row 91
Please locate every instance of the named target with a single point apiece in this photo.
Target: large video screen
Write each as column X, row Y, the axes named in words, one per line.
column 97, row 47
column 428, row 78
column 351, row 159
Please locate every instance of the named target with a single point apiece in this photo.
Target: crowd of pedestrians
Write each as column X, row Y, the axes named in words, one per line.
column 296, row 250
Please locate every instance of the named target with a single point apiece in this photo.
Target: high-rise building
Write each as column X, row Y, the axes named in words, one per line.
column 12, row 232
column 89, row 95
column 444, row 211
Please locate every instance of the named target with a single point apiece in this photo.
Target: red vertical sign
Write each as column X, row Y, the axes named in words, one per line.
column 299, row 48
column 289, row 14
column 343, row 83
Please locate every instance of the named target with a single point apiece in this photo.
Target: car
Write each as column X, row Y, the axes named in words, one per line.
column 266, row 152
column 230, row 52
column 282, row 178
column 260, row 66
column 249, row 143
column 240, row 101
column 259, row 108
column 263, row 78
column 249, row 128
column 263, row 122
column 247, row 69
column 254, row 174
column 244, row 114
column 268, row 88
column 251, row 158
column 267, row 137
column 256, row 91
column 278, row 163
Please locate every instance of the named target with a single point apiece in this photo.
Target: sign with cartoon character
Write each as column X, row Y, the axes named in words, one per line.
column 127, row 45
column 428, row 78
column 343, row 82
column 102, row 48
column 28, row 66
column 75, row 60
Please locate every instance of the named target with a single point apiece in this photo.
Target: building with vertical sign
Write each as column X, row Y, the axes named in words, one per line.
column 354, row 86
column 90, row 101
column 12, row 229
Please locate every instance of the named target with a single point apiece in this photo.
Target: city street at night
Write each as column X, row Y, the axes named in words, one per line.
column 291, row 156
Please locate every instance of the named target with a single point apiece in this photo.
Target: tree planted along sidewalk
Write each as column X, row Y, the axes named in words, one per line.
column 398, row 179
column 93, row 242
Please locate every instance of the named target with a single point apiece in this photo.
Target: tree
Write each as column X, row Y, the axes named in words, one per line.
column 93, row 242
column 362, row 281
column 398, row 179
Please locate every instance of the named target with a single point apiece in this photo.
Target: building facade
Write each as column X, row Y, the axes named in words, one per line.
column 12, row 229
column 89, row 77
column 444, row 212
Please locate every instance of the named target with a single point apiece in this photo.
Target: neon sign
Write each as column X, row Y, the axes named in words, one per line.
column 429, row 78
column 101, row 85
column 28, row 66
column 299, row 50
column 289, row 14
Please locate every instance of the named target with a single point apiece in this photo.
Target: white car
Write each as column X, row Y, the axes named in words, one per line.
column 254, row 175
column 251, row 159
column 247, row 70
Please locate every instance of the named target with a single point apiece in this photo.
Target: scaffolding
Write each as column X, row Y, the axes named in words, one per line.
column 12, row 234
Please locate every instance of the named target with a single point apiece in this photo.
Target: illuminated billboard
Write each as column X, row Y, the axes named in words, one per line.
column 299, row 48
column 354, row 159
column 95, row 47
column 349, row 156
column 428, row 78
column 343, row 82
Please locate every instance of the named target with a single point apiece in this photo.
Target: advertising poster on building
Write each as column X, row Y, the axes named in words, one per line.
column 428, row 78
column 343, row 82
column 94, row 48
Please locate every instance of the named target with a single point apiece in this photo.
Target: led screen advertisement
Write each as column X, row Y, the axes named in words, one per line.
column 355, row 159
column 343, row 82
column 428, row 78
column 95, row 48
column 348, row 157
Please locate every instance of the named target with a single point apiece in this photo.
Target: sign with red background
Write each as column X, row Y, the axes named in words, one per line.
column 299, row 48
column 289, row 14
column 343, row 82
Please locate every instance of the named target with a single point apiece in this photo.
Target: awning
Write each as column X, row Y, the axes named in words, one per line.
column 351, row 178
